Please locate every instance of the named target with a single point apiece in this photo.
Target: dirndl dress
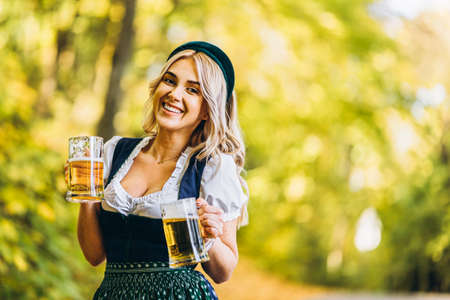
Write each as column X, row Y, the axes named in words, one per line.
column 137, row 262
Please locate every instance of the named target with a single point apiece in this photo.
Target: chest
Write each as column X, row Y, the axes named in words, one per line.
column 146, row 177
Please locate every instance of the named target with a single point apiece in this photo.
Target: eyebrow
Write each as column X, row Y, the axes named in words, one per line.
column 190, row 81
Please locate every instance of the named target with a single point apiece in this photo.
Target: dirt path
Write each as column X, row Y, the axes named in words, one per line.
column 362, row 296
column 250, row 283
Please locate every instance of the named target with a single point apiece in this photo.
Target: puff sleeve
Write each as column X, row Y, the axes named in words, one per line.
column 108, row 153
column 221, row 187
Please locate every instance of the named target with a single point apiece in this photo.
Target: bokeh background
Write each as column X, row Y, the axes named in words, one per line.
column 345, row 110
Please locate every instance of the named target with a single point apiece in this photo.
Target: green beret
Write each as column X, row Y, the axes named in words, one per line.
column 216, row 54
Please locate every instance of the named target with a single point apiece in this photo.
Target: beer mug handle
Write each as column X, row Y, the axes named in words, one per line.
column 209, row 243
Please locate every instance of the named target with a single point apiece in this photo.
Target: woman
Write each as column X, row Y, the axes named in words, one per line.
column 193, row 148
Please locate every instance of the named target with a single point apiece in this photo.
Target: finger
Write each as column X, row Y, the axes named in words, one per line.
column 66, row 172
column 211, row 233
column 201, row 202
column 212, row 223
column 210, row 209
column 213, row 217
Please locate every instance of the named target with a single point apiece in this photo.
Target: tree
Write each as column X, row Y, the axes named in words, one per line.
column 122, row 54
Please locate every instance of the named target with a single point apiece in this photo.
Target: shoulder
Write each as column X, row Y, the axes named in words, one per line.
column 222, row 186
column 124, row 142
column 122, row 145
column 221, row 165
column 112, row 142
column 108, row 153
column 127, row 140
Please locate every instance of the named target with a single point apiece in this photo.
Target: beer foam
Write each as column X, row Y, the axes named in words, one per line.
column 180, row 216
column 86, row 159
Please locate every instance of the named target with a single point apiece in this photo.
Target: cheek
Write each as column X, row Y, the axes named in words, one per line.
column 200, row 109
column 159, row 93
column 161, row 89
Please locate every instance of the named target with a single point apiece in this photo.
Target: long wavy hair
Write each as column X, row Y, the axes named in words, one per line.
column 221, row 132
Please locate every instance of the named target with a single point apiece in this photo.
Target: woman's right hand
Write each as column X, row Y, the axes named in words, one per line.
column 66, row 172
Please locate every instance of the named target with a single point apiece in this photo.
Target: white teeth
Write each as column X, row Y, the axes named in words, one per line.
column 172, row 109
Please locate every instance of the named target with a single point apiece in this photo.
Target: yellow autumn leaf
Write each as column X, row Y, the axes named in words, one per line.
column 45, row 211
column 20, row 262
column 8, row 231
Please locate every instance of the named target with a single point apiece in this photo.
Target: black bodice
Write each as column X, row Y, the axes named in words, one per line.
column 132, row 238
column 135, row 238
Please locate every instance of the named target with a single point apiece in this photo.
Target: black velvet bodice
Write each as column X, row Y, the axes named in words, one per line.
column 132, row 238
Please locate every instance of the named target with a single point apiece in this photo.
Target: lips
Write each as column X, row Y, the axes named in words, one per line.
column 171, row 108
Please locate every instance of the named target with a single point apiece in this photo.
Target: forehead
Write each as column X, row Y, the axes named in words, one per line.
column 184, row 69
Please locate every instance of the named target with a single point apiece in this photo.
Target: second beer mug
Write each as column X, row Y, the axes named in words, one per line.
column 183, row 235
column 85, row 169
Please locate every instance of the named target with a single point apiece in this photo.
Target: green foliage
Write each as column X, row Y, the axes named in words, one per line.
column 36, row 225
column 338, row 110
column 39, row 256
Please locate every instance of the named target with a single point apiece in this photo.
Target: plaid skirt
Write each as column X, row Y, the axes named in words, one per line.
column 153, row 280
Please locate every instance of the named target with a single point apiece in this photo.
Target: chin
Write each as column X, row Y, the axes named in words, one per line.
column 164, row 124
column 173, row 123
column 169, row 124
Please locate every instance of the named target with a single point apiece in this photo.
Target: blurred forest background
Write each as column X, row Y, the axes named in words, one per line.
column 344, row 106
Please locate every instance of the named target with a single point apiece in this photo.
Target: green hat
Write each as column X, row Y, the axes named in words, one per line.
column 216, row 54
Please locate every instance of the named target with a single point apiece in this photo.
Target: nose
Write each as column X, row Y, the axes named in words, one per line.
column 176, row 93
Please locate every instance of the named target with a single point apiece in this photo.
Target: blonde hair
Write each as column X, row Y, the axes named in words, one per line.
column 221, row 132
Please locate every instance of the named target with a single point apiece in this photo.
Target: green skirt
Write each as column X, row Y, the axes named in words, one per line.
column 153, row 280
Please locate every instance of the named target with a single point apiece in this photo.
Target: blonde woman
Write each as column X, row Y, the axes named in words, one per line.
column 193, row 147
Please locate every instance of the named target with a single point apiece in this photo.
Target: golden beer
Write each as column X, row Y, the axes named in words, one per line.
column 86, row 179
column 184, row 241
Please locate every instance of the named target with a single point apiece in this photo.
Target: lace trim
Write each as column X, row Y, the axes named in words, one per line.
column 117, row 197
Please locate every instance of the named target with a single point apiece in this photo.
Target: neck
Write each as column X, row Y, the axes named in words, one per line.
column 168, row 145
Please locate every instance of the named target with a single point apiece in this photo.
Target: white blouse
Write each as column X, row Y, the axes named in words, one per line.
column 220, row 186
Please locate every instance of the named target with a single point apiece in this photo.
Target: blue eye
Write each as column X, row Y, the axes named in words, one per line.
column 168, row 80
column 193, row 90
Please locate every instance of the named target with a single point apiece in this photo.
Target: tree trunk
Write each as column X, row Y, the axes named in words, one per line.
column 122, row 53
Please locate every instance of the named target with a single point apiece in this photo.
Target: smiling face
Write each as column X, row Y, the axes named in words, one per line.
column 178, row 102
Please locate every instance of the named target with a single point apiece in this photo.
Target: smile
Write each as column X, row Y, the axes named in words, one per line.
column 171, row 108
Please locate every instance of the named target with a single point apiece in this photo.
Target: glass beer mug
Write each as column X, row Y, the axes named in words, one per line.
column 85, row 182
column 183, row 235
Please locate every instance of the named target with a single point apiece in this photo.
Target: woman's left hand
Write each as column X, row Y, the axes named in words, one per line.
column 210, row 219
